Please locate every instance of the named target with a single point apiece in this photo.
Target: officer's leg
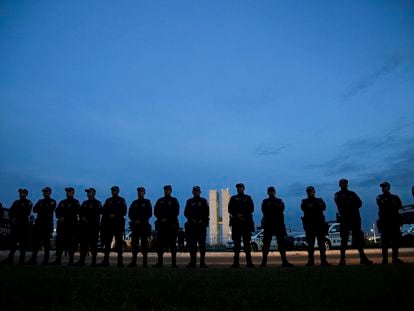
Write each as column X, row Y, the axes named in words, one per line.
column 322, row 248
column 13, row 245
column 36, row 242
column 71, row 244
column 236, row 237
column 395, row 246
column 358, row 241
column 281, row 244
column 344, row 233
column 144, row 248
column 134, row 248
column 119, row 242
column 267, row 238
column 173, row 247
column 107, row 236
column 46, row 245
column 192, row 246
column 310, row 239
column 246, row 241
column 94, row 245
column 59, row 246
column 202, row 246
column 161, row 243
column 384, row 246
column 83, row 246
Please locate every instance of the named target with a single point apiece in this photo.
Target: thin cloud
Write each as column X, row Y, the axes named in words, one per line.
column 268, row 150
column 389, row 66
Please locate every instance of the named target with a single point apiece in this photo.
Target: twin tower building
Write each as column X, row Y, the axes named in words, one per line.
column 219, row 229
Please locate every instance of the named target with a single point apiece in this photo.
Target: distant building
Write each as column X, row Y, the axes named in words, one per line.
column 219, row 230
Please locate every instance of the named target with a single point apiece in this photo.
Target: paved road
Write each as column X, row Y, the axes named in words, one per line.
column 224, row 259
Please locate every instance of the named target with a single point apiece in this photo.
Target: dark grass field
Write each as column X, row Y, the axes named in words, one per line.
column 335, row 288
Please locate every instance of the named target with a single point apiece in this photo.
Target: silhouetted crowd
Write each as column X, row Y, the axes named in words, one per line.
column 90, row 222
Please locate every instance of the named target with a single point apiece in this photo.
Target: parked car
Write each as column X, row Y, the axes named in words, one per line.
column 407, row 228
column 256, row 243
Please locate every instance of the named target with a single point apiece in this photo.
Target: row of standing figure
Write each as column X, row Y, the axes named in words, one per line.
column 91, row 219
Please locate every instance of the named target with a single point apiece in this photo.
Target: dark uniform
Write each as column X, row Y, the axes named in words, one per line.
column 139, row 214
column 241, row 208
column 274, row 224
column 43, row 227
column 197, row 213
column 88, row 229
column 166, row 211
column 348, row 204
column 113, row 225
column 19, row 221
column 67, row 222
column 314, row 225
column 389, row 222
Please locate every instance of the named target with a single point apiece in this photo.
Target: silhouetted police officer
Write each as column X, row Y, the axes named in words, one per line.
column 241, row 208
column 389, row 222
column 348, row 204
column 43, row 227
column 166, row 211
column 88, row 230
column 197, row 213
column 274, row 223
column 139, row 215
column 67, row 221
column 113, row 225
column 314, row 225
column 19, row 221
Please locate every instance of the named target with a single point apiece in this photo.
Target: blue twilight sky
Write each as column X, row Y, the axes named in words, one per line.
column 284, row 93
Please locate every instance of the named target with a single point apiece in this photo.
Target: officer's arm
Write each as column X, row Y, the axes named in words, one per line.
column 358, row 200
column 149, row 209
column 231, row 207
column 323, row 205
column 29, row 208
column 251, row 205
column 157, row 209
column 283, row 205
column 177, row 208
column 124, row 207
column 130, row 211
column 36, row 207
column 186, row 209
column 302, row 205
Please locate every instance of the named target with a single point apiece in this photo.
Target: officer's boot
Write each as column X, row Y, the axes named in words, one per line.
column 203, row 259
column 249, row 263
column 311, row 260
column 285, row 262
column 193, row 258
column 174, row 260
column 159, row 263
column 33, row 259
column 324, row 262
column 385, row 255
column 264, row 260
column 144, row 260
column 236, row 261
column 133, row 263
column 342, row 261
column 120, row 263
column 81, row 261
column 395, row 259
column 71, row 259
column 105, row 261
column 363, row 258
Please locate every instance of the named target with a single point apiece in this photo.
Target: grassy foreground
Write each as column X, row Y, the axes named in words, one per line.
column 335, row 288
